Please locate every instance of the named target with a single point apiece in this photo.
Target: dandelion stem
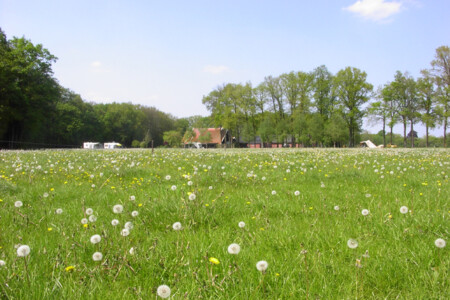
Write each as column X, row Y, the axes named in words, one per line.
column 26, row 270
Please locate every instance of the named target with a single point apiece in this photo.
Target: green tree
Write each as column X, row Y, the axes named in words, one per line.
column 441, row 74
column 379, row 110
column 353, row 91
column 427, row 101
column 172, row 138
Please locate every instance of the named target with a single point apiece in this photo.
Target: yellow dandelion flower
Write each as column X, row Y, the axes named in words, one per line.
column 49, row 229
column 214, row 260
column 70, row 268
column 85, row 225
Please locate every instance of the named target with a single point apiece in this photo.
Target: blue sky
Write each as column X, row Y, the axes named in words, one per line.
column 169, row 54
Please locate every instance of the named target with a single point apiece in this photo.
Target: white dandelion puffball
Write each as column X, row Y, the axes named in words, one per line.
column 132, row 198
column 92, row 218
column 115, row 222
column 134, row 213
column 59, row 211
column 2, row 263
column 118, row 209
column 176, row 226
column 173, row 188
column 23, row 251
column 241, row 224
column 263, row 178
column 96, row 238
column 18, row 204
column 132, row 251
column 440, row 243
column 97, row 256
column 274, row 192
column 322, row 185
column 368, row 195
column 210, row 187
column 168, row 177
column 234, row 249
column 365, row 212
column 296, row 193
column 129, row 225
column 336, row 207
column 190, row 183
column 93, row 186
column 89, row 211
column 45, row 195
column 352, row 244
column 192, row 197
column 125, row 232
column 163, row 291
column 262, row 265
column 403, row 209
column 84, row 221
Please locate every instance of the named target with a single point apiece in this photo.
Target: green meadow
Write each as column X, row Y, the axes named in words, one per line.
column 331, row 224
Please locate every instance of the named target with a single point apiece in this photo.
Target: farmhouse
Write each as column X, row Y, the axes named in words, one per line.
column 209, row 137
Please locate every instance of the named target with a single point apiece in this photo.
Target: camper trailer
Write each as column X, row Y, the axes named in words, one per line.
column 113, row 145
column 91, row 145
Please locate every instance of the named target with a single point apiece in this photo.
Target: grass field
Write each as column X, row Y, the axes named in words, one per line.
column 302, row 209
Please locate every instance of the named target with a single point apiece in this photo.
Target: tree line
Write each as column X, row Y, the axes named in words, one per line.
column 37, row 112
column 319, row 108
column 314, row 108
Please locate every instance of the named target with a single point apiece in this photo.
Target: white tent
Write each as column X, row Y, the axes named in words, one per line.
column 90, row 145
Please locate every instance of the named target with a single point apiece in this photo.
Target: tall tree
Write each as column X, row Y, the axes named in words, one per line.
column 323, row 91
column 441, row 74
column 379, row 110
column 353, row 91
column 427, row 99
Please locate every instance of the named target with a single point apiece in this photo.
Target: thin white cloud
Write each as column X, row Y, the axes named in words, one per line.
column 96, row 64
column 375, row 10
column 215, row 69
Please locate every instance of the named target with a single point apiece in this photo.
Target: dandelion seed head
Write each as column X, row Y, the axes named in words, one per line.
column 352, row 244
column 125, row 232
column 296, row 193
column 18, row 204
column 84, row 221
column 163, row 291
column 365, row 212
column 89, row 211
column 403, row 209
column 241, row 224
column 440, row 243
column 97, row 256
column 234, row 249
column 2, row 263
column 132, row 198
column 129, row 225
column 23, row 250
column 173, row 188
column 115, row 222
column 92, row 218
column 118, row 208
column 262, row 265
column 134, row 213
column 192, row 197
column 96, row 238
column 176, row 226
column 168, row 177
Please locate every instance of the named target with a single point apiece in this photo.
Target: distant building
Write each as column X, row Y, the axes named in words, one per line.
column 113, row 145
column 209, row 137
column 92, row 145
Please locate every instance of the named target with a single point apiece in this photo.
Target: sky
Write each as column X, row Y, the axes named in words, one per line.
column 169, row 54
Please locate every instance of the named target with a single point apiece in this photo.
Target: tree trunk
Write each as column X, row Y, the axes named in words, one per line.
column 404, row 133
column 426, row 133
column 384, row 132
column 445, row 133
column 412, row 134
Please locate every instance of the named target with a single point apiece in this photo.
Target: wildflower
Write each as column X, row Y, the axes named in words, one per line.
column 274, row 192
column 262, row 265
column 89, row 211
column 322, row 185
column 2, row 263
column 234, row 249
column 96, row 239
column 210, row 187
column 163, row 291
column 49, row 229
column 365, row 212
column 132, row 198
column 45, row 195
column 190, row 183
column 366, row 255
column 92, row 218
column 84, row 221
column 168, row 177
column 336, row 208
column 368, row 195
column 131, row 251
column 263, row 178
column 440, row 243
column 214, row 260
column 18, row 204
column 85, row 225
column 97, row 256
column 129, row 225
column 118, row 209
column 241, row 224
column 125, row 232
column 296, row 193
column 192, row 197
column 403, row 209
column 115, row 222
column 70, row 268
column 23, row 251
column 358, row 263
column 173, row 188
column 176, row 226
column 352, row 244
column 59, row 211
column 134, row 213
